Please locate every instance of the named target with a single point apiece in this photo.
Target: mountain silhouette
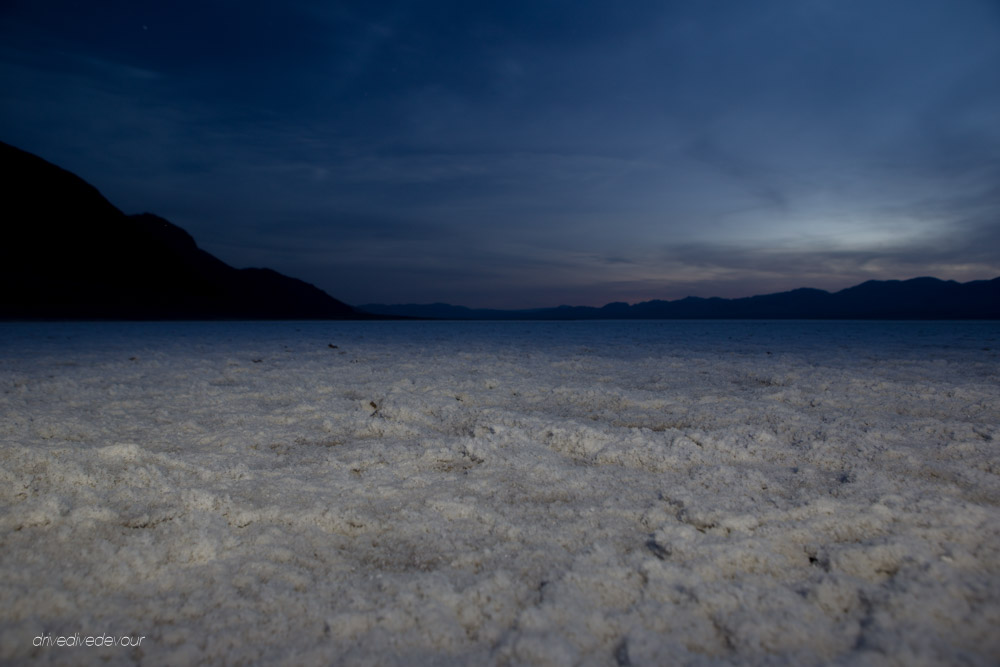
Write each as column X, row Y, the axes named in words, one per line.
column 916, row 299
column 69, row 253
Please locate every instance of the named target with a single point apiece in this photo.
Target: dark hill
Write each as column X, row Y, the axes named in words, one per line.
column 67, row 252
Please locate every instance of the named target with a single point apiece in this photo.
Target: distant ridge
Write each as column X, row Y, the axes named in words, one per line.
column 915, row 299
column 68, row 253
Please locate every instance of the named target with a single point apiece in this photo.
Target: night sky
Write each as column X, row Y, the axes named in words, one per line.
column 537, row 153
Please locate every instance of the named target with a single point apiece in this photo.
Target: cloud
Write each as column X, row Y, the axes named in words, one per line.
column 755, row 177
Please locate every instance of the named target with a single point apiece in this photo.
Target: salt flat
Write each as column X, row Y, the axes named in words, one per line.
column 418, row 493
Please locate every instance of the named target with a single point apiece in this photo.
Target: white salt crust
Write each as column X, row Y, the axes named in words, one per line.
column 609, row 493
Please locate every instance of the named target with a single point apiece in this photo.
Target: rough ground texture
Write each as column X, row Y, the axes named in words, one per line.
column 502, row 493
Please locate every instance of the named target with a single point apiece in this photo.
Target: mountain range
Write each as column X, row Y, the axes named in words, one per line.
column 916, row 299
column 68, row 253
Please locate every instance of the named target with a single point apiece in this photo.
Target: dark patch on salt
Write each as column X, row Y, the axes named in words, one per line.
column 658, row 549
column 621, row 654
column 541, row 590
column 817, row 558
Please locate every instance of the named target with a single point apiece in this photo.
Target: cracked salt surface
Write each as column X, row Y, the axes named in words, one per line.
column 604, row 493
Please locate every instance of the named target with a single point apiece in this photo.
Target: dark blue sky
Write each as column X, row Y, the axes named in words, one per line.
column 531, row 153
